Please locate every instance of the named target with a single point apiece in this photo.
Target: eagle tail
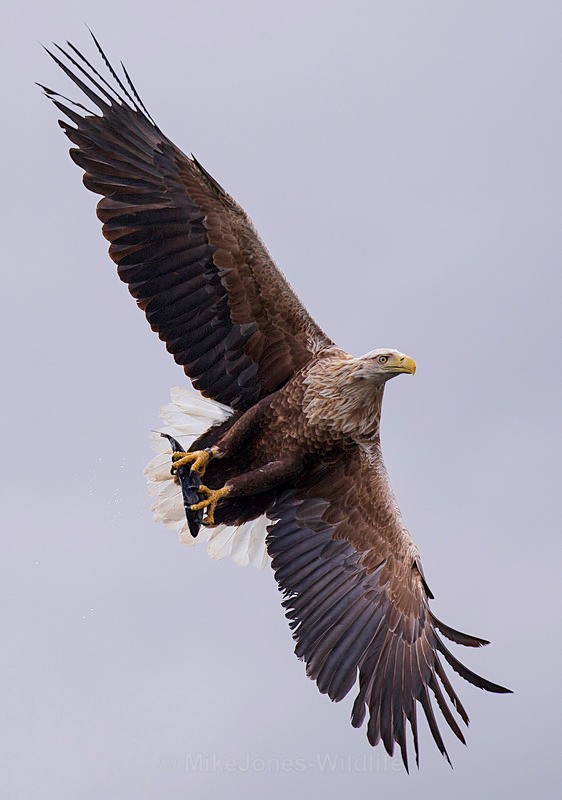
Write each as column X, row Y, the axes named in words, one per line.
column 187, row 418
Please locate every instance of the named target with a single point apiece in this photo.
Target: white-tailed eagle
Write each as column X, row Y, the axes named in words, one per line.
column 289, row 432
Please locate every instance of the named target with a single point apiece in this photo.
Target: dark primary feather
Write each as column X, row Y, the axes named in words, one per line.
column 358, row 604
column 188, row 252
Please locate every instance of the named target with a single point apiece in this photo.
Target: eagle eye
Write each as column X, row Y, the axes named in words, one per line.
column 382, row 359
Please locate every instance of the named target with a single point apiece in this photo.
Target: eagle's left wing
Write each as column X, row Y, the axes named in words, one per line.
column 357, row 601
column 187, row 251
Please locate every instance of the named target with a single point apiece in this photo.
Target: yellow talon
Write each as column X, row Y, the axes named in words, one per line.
column 198, row 460
column 211, row 499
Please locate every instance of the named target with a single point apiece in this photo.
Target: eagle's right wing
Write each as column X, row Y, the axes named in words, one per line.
column 358, row 603
column 189, row 254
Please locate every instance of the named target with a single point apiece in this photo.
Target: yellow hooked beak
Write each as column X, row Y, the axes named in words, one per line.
column 402, row 363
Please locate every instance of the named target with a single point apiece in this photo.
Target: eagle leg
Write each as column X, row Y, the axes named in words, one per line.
column 198, row 459
column 253, row 482
column 212, row 497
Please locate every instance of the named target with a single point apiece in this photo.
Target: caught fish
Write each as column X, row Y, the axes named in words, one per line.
column 190, row 482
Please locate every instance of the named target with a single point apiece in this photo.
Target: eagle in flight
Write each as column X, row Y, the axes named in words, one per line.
column 286, row 446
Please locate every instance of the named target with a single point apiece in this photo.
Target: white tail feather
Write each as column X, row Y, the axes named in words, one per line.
column 186, row 418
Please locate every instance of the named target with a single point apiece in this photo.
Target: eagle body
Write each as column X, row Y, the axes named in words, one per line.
column 317, row 417
column 286, row 425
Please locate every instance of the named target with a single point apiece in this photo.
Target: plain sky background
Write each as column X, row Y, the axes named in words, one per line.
column 402, row 162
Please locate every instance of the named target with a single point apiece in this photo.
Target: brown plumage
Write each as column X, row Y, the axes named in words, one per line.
column 303, row 443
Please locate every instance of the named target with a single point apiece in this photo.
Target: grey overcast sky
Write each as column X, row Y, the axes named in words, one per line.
column 402, row 162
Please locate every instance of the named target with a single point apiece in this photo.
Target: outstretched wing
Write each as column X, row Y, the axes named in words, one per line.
column 189, row 254
column 357, row 601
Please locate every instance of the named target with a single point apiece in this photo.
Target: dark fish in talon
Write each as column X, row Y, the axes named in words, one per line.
column 190, row 482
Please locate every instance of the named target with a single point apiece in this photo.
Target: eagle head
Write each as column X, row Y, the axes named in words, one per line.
column 380, row 365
